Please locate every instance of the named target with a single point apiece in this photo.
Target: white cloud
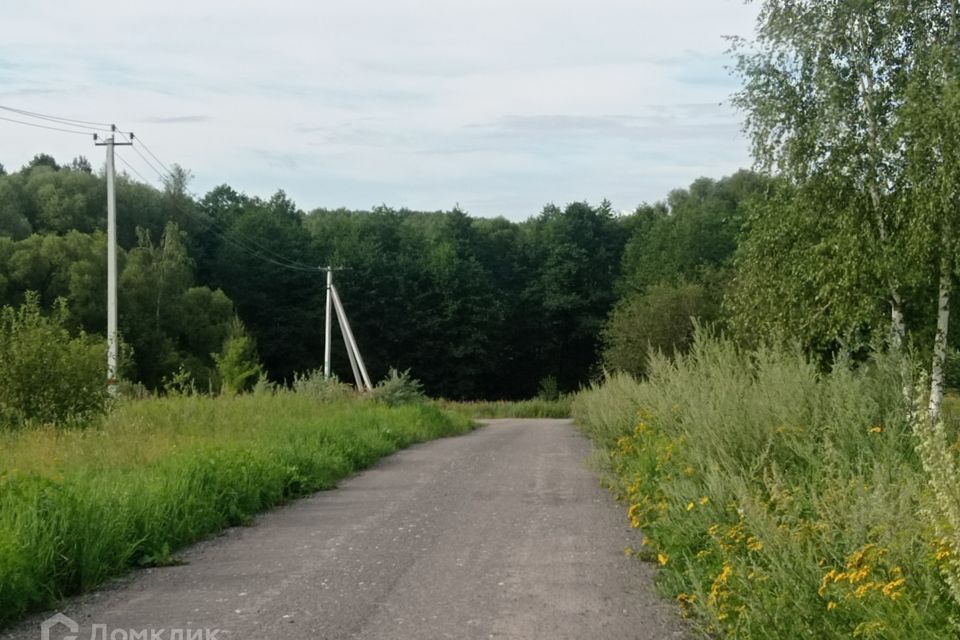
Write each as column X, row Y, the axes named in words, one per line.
column 498, row 105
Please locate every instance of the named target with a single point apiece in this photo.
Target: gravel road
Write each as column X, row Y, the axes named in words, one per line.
column 502, row 533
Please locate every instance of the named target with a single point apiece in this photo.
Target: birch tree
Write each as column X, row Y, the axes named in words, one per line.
column 849, row 95
column 930, row 133
column 822, row 84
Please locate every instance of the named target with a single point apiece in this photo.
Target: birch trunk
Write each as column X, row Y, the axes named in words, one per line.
column 940, row 341
column 898, row 326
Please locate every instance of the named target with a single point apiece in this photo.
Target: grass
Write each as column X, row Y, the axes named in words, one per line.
column 80, row 506
column 533, row 408
column 778, row 501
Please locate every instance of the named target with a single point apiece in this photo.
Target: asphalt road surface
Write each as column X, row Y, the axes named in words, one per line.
column 502, row 533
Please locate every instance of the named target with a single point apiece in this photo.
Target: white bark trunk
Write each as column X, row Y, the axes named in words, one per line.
column 898, row 326
column 940, row 341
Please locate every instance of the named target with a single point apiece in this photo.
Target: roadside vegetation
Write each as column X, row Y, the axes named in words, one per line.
column 491, row 409
column 81, row 505
column 778, row 500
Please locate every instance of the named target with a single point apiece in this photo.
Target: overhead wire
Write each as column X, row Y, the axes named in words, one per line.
column 84, row 124
column 154, row 156
column 44, row 126
column 130, row 166
column 277, row 258
column 246, row 238
column 211, row 225
column 44, row 116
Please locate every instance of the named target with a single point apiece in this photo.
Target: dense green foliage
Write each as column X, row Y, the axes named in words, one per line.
column 80, row 506
column 662, row 319
column 472, row 307
column 779, row 501
column 47, row 375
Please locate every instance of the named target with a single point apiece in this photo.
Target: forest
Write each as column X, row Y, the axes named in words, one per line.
column 472, row 307
column 475, row 308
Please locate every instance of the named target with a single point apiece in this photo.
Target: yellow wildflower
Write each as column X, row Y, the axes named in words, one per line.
column 718, row 590
column 662, row 559
column 704, row 501
column 690, row 506
column 875, row 429
column 892, row 589
column 685, row 600
column 831, row 605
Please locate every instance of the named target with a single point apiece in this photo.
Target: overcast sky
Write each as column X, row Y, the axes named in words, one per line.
column 500, row 106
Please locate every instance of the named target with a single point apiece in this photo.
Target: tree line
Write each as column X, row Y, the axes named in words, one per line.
column 473, row 307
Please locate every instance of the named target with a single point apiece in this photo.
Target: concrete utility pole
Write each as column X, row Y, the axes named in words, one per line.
column 109, row 143
column 353, row 351
column 356, row 361
column 328, row 326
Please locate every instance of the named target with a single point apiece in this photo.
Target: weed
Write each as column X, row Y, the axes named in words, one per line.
column 780, row 501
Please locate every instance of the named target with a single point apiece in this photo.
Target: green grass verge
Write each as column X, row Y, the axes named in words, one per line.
column 80, row 506
column 533, row 408
column 778, row 501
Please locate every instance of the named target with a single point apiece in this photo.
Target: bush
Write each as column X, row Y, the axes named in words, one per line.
column 548, row 389
column 661, row 320
column 237, row 364
column 316, row 385
column 47, row 375
column 398, row 388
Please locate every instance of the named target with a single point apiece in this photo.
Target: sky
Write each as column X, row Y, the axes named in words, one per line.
column 497, row 106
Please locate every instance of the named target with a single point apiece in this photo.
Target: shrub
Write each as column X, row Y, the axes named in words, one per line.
column 48, row 375
column 398, row 388
column 237, row 364
column 661, row 319
column 315, row 384
column 548, row 389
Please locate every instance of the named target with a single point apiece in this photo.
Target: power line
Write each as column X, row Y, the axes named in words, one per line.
column 43, row 126
column 279, row 259
column 132, row 168
column 159, row 173
column 221, row 233
column 154, row 156
column 247, row 239
column 98, row 126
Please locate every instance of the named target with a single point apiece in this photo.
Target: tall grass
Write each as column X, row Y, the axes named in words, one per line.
column 779, row 501
column 80, row 506
column 532, row 408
